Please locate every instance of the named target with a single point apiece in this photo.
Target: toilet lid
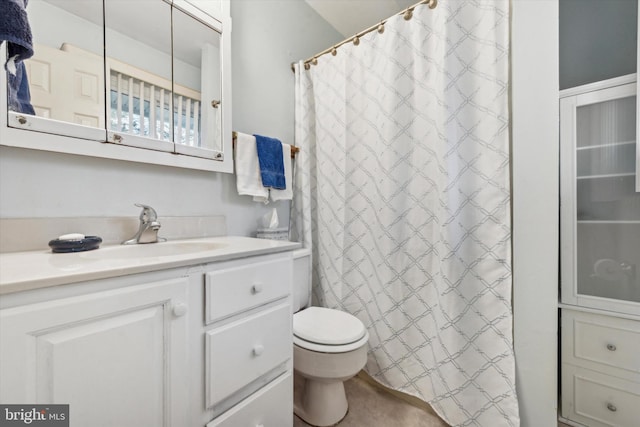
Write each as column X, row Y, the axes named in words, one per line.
column 327, row 326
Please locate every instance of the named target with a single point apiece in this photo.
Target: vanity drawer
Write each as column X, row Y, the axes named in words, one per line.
column 243, row 351
column 599, row 400
column 240, row 287
column 603, row 343
column 271, row 406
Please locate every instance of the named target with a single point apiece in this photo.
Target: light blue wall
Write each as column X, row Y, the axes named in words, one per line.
column 597, row 40
column 267, row 36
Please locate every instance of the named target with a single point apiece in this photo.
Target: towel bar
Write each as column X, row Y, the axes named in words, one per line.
column 294, row 149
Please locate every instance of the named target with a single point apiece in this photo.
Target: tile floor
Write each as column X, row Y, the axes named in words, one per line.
column 372, row 406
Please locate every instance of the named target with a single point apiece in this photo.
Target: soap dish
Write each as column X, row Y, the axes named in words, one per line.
column 64, row 246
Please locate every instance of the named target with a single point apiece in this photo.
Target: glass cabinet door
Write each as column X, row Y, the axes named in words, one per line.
column 601, row 209
column 139, row 73
column 60, row 89
column 197, row 77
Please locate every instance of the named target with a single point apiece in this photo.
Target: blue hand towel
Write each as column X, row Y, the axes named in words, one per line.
column 15, row 30
column 271, row 162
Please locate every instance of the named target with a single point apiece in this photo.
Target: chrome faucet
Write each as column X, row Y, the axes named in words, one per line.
column 149, row 226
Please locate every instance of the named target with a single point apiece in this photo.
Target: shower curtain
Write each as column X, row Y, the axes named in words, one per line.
column 402, row 192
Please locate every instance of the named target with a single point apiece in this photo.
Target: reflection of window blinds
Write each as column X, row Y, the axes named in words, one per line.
column 140, row 107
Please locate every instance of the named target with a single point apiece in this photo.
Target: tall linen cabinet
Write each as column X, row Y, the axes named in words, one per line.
column 600, row 255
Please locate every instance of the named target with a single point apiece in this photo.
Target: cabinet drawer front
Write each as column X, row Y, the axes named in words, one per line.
column 243, row 351
column 603, row 343
column 271, row 406
column 595, row 399
column 231, row 290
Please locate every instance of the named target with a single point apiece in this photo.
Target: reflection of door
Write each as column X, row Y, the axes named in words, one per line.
column 67, row 85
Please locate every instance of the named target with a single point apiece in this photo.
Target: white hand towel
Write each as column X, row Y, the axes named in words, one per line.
column 248, row 180
column 287, row 193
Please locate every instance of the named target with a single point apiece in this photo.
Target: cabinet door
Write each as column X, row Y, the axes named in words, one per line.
column 116, row 357
column 65, row 75
column 600, row 207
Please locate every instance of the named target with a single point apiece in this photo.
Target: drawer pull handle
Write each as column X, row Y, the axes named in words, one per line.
column 258, row 349
column 611, row 347
column 611, row 407
column 256, row 288
column 179, row 309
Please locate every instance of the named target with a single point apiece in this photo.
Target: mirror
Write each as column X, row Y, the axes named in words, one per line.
column 197, row 85
column 144, row 73
column 66, row 73
column 139, row 73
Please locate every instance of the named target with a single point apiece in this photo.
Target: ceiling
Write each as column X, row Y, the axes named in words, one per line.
column 349, row 17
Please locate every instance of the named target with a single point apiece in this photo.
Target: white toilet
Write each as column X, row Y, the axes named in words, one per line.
column 330, row 346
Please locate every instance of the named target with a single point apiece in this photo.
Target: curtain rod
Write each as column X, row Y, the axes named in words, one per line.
column 407, row 13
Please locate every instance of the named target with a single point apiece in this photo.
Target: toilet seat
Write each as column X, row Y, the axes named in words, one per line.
column 327, row 330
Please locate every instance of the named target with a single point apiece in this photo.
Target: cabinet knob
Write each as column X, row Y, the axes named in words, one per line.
column 179, row 309
column 258, row 349
column 611, row 407
column 611, row 347
column 256, row 288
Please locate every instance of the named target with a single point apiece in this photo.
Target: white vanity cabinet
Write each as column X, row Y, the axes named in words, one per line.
column 173, row 341
column 248, row 342
column 600, row 255
column 117, row 356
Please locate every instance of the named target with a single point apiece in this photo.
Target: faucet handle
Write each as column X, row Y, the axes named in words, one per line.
column 148, row 214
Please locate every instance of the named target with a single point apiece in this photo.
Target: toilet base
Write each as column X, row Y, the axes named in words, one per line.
column 319, row 396
column 319, row 403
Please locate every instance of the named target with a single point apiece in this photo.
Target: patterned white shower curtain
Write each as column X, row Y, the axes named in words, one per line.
column 402, row 192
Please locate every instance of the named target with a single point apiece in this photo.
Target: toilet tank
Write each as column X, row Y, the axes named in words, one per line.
column 301, row 279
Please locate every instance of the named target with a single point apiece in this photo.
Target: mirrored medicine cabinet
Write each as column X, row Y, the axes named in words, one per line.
column 146, row 81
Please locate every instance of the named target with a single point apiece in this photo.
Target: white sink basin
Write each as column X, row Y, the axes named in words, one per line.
column 153, row 250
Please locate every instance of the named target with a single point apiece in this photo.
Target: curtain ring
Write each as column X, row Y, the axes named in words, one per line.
column 433, row 4
column 356, row 41
column 381, row 28
column 408, row 14
column 307, row 66
column 314, row 61
column 334, row 51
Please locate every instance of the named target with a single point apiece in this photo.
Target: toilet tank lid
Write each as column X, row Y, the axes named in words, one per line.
column 323, row 325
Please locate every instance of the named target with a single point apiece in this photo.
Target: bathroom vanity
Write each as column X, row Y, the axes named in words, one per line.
column 188, row 333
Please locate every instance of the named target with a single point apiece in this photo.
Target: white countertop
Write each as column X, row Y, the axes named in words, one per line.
column 21, row 271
